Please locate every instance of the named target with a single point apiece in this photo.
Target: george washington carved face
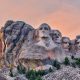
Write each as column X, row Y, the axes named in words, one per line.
column 43, row 31
column 44, row 27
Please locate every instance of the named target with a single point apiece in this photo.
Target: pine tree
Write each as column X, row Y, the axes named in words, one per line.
column 21, row 69
column 50, row 69
column 11, row 73
column 66, row 61
column 78, row 62
column 35, row 75
column 56, row 64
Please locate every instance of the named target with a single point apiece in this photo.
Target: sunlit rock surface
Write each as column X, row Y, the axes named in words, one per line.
column 66, row 73
column 36, row 49
column 22, row 42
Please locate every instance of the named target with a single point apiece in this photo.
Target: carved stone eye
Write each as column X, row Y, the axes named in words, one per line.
column 77, row 42
column 45, row 28
column 65, row 40
column 41, row 28
column 54, row 34
column 57, row 33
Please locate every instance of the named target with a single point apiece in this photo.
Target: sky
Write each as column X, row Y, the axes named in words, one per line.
column 63, row 15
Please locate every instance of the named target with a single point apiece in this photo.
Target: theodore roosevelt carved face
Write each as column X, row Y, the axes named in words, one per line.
column 56, row 36
column 65, row 42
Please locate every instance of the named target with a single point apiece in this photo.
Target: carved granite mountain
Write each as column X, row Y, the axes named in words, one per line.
column 22, row 42
column 37, row 48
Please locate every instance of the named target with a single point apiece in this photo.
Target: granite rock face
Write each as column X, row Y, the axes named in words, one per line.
column 21, row 42
column 2, row 78
column 14, row 34
column 36, row 49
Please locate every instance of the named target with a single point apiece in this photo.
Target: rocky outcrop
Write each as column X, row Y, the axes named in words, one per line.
column 2, row 77
column 21, row 41
column 66, row 73
column 14, row 34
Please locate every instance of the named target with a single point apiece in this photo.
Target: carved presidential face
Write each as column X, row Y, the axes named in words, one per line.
column 44, row 27
column 43, row 31
column 77, row 43
column 65, row 42
column 56, row 36
column 72, row 46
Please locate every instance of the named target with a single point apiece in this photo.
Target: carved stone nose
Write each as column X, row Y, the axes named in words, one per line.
column 43, row 31
column 57, row 36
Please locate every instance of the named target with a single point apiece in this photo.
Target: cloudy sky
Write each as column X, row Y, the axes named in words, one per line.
column 59, row 14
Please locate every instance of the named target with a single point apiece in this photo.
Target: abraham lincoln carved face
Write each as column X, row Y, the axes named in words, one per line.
column 77, row 42
column 65, row 42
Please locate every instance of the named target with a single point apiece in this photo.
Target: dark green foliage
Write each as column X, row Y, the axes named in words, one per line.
column 50, row 69
column 38, row 78
column 72, row 57
column 11, row 73
column 66, row 61
column 29, row 74
column 21, row 69
column 35, row 75
column 56, row 64
column 78, row 62
column 41, row 72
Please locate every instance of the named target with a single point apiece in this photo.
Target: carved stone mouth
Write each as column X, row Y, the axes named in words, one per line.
column 44, row 37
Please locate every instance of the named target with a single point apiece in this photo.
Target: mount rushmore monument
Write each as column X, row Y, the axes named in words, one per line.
column 23, row 43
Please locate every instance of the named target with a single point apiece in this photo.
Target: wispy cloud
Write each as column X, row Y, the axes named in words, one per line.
column 61, row 14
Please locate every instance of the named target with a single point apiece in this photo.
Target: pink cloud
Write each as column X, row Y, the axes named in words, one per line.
column 61, row 14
